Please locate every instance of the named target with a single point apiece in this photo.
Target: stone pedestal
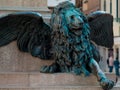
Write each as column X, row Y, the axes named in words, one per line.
column 20, row 71
column 13, row 60
column 41, row 81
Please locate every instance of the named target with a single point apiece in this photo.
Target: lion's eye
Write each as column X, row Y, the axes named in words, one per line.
column 72, row 17
column 80, row 16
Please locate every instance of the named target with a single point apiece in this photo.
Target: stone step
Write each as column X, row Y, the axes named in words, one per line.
column 22, row 3
column 58, row 88
column 44, row 11
column 42, row 81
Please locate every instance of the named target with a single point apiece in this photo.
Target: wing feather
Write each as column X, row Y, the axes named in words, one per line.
column 101, row 29
column 30, row 31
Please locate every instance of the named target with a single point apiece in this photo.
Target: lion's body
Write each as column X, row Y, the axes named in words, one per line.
column 72, row 47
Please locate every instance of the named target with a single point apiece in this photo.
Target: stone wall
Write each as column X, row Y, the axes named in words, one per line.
column 13, row 60
column 91, row 6
column 10, row 6
column 23, row 3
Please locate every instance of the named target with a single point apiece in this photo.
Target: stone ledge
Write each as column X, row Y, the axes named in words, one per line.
column 36, row 79
column 29, row 3
column 59, row 88
column 15, row 8
column 45, row 12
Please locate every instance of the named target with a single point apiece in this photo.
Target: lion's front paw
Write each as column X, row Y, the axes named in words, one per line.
column 107, row 84
column 49, row 69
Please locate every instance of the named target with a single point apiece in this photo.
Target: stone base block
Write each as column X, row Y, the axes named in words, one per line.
column 61, row 88
column 13, row 60
column 37, row 80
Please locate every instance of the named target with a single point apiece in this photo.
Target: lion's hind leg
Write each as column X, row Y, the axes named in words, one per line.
column 82, row 69
column 104, row 81
column 50, row 69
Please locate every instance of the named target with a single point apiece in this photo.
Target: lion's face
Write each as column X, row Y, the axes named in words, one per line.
column 67, row 18
column 74, row 19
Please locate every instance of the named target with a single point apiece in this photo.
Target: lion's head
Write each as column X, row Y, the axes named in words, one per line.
column 67, row 16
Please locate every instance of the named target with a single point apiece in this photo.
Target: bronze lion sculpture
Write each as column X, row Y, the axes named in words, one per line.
column 68, row 39
column 73, row 50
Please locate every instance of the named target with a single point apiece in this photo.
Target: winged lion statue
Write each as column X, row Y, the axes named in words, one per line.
column 68, row 39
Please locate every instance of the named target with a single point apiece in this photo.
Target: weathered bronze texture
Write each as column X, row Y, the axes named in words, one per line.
column 72, row 47
column 30, row 31
column 68, row 39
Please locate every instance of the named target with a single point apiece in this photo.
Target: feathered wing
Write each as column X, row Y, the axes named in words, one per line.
column 30, row 31
column 101, row 25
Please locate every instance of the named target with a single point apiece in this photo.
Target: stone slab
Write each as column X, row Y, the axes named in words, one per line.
column 14, row 79
column 11, row 60
column 37, row 79
column 60, row 88
column 63, row 79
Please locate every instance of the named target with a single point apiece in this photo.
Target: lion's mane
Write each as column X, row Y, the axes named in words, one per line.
column 71, row 50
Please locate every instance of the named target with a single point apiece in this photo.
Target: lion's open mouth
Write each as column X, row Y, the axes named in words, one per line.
column 77, row 31
column 77, row 27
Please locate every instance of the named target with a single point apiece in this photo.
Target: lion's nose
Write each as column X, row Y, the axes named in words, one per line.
column 78, row 20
